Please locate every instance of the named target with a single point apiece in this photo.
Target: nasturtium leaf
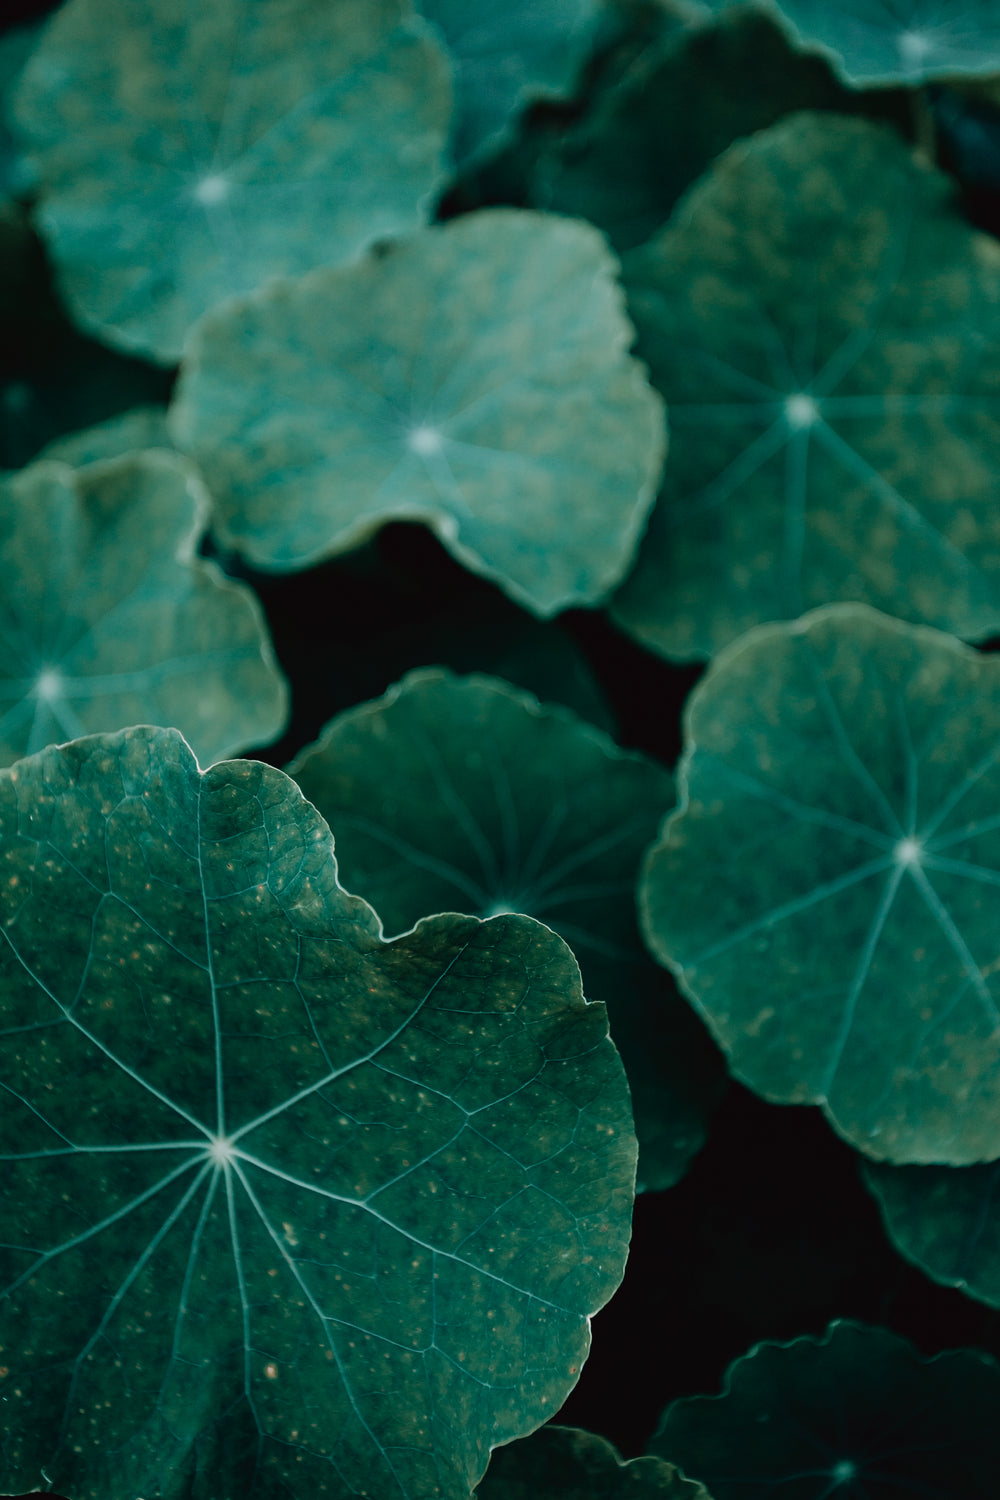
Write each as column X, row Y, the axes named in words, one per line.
column 853, row 1415
column 185, row 155
column 108, row 617
column 15, row 48
column 682, row 102
column 564, row 1463
column 508, row 53
column 475, row 377
column 463, row 794
column 897, row 41
column 141, row 428
column 825, row 326
column 946, row 1220
column 288, row 1210
column 827, row 892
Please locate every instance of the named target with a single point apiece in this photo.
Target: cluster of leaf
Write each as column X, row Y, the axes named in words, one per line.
column 656, row 309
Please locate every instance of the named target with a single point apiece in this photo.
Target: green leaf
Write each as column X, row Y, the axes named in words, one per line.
column 108, row 617
column 855, row 1413
column 823, row 891
column 476, row 378
column 200, row 156
column 288, row 1210
column 946, row 1221
column 462, row 794
column 897, row 41
column 682, row 102
column 141, row 428
column 563, row 1463
column 508, row 53
column 825, row 326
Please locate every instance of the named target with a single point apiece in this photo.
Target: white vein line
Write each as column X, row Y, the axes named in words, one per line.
column 721, row 413
column 795, row 514
column 961, row 867
column 836, row 722
column 72, row 1150
column 87, row 1234
column 335, row 1073
column 791, row 909
column 544, row 838
column 861, row 975
column 419, row 857
column 979, row 770
column 743, row 467
column 947, row 924
column 819, row 815
column 139, row 1265
column 199, row 1230
column 459, row 809
column 130, row 1072
column 322, row 1318
column 244, row 1299
column 962, row 835
column 220, row 1117
column 601, row 844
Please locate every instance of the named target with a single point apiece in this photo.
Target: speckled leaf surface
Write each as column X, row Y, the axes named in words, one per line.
column 681, row 103
column 946, row 1220
column 856, row 1414
column 826, row 892
column 825, row 327
column 463, row 794
column 897, row 41
column 475, row 377
column 563, row 1463
column 356, row 1237
column 214, row 146
column 108, row 617
column 141, row 428
column 507, row 53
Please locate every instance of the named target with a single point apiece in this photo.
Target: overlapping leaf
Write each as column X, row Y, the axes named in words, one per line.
column 288, row 1210
column 141, row 428
column 475, row 377
column 897, row 41
column 825, row 327
column 827, row 892
column 946, row 1220
column 856, row 1413
column 464, row 794
column 108, row 617
column 563, row 1463
column 207, row 148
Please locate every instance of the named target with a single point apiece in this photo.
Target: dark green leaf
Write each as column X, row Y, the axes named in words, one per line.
column 563, row 1463
column 946, row 1220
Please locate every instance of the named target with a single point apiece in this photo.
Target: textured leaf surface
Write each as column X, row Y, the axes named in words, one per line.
column 898, row 41
column 108, row 617
column 856, row 1413
column 827, row 891
column 215, row 146
column 462, row 794
column 475, row 377
column 563, row 1463
column 288, row 1210
column 946, row 1220
column 508, row 52
column 825, row 327
column 141, row 428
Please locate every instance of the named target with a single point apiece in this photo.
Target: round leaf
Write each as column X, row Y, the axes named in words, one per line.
column 563, row 1463
column 209, row 150
column 850, row 1416
column 826, row 892
column 108, row 617
column 946, row 1220
column 464, row 794
column 825, row 327
column 288, row 1210
column 475, row 377
column 897, row 41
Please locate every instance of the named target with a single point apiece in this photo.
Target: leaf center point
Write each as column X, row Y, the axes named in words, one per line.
column 212, row 189
column 221, row 1150
column 844, row 1471
column 48, row 685
column 908, row 852
column 425, row 440
column 800, row 411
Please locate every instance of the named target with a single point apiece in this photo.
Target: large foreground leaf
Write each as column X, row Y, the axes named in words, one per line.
column 563, row 1463
column 854, row 1415
column 946, row 1220
column 465, row 795
column 897, row 41
column 475, row 377
column 827, row 892
column 190, row 152
column 825, row 326
column 288, row 1210
column 108, row 617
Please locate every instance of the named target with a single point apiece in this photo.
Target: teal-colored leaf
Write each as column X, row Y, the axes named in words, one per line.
column 288, row 1210
column 897, row 41
column 213, row 147
column 946, row 1220
column 108, row 617
column 462, row 794
column 826, row 891
column 475, row 377
column 16, row 46
column 850, row 1416
column 141, row 428
column 508, row 53
column 563, row 1463
column 825, row 327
